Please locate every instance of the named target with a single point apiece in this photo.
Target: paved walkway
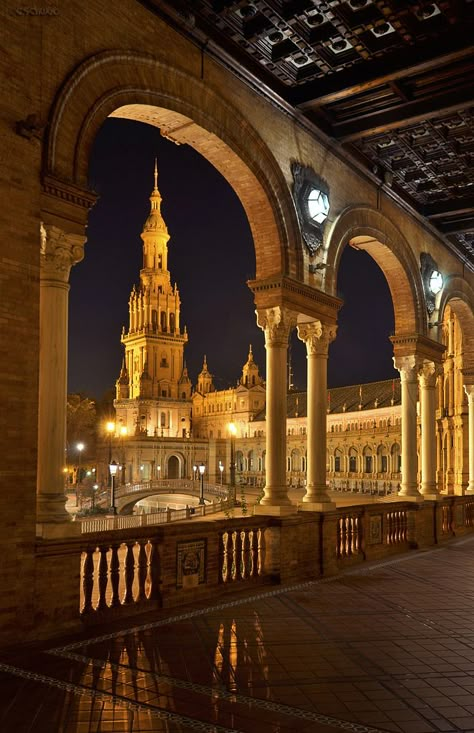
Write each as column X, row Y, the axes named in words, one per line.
column 386, row 647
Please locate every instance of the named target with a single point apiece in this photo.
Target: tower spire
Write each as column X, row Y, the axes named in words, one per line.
column 155, row 189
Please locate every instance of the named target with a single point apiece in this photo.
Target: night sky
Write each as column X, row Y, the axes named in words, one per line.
column 211, row 257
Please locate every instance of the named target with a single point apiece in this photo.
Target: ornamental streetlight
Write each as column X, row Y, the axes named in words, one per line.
column 113, row 467
column 221, row 468
column 79, row 447
column 202, row 468
column 94, row 490
column 110, row 428
column 195, row 468
column 158, row 470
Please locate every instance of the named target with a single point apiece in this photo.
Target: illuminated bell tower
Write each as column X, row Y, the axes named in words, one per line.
column 153, row 402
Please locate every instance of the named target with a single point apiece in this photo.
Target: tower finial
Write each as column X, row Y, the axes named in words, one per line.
column 156, row 176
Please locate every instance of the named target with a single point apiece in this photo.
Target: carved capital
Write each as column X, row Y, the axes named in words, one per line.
column 469, row 390
column 277, row 323
column 407, row 366
column 317, row 337
column 59, row 252
column 428, row 373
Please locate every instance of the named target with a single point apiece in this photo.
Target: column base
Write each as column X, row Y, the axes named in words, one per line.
column 415, row 498
column 432, row 496
column 274, row 511
column 317, row 506
column 58, row 530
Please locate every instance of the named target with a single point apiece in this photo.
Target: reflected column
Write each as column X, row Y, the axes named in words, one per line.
column 59, row 252
column 277, row 323
column 317, row 338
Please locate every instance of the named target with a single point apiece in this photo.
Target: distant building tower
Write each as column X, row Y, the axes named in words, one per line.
column 250, row 375
column 152, row 392
column 205, row 383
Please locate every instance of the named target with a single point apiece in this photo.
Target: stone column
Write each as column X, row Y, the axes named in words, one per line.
column 317, row 338
column 469, row 390
column 277, row 323
column 427, row 380
column 59, row 251
column 407, row 366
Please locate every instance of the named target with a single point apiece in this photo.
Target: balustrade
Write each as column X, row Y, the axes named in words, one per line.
column 396, row 527
column 241, row 554
column 349, row 535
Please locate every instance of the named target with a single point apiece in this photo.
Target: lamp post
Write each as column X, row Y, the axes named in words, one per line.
column 94, row 489
column 110, row 428
column 221, row 468
column 202, row 468
column 232, row 431
column 113, row 470
column 80, row 447
column 195, row 468
column 158, row 470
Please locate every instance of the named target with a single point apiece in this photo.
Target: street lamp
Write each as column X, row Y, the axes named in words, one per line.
column 158, row 468
column 232, row 431
column 110, row 428
column 94, row 489
column 113, row 470
column 202, row 468
column 195, row 468
column 221, row 468
column 80, row 447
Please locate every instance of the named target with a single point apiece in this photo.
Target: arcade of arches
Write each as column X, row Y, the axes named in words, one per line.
column 94, row 64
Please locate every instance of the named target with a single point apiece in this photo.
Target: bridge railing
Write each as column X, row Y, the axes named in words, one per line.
column 147, row 519
column 172, row 486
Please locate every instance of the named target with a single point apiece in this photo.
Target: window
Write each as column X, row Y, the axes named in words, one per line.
column 172, row 323
column 352, row 464
column 164, row 393
column 163, row 419
column 337, row 463
column 368, row 464
column 163, row 321
column 183, row 396
column 383, row 464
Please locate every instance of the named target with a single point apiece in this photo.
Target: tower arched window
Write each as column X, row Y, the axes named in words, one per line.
column 163, row 321
column 172, row 322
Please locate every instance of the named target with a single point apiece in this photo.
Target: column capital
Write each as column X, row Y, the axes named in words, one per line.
column 277, row 323
column 59, row 251
column 317, row 336
column 428, row 373
column 469, row 390
column 408, row 367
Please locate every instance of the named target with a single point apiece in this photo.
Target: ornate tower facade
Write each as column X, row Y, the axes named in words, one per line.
column 153, row 391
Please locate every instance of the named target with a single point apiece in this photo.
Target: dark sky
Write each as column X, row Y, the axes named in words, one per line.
column 211, row 257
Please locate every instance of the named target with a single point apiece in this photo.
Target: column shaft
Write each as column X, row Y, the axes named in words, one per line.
column 276, row 323
column 317, row 338
column 408, row 375
column 469, row 389
column 58, row 253
column 428, row 428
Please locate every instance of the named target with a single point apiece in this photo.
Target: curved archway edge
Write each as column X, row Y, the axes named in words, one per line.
column 190, row 112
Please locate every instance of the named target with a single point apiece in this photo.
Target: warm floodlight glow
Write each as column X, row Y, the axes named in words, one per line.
column 123, row 430
column 110, row 427
column 202, row 468
column 232, row 428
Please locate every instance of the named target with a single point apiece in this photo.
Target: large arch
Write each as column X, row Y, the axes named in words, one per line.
column 460, row 297
column 370, row 230
column 144, row 87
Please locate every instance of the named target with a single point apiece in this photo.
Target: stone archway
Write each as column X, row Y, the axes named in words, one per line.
column 146, row 88
column 173, row 467
column 365, row 228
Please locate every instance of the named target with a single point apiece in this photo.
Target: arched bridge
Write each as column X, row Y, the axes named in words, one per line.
column 128, row 495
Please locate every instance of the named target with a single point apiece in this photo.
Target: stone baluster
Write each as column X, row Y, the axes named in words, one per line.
column 59, row 252
column 407, row 366
column 88, row 580
column 142, row 572
column 103, row 575
column 317, row 338
column 129, row 572
column 115, row 575
column 276, row 323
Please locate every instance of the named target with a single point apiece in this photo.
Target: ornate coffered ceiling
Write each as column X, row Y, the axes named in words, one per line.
column 391, row 81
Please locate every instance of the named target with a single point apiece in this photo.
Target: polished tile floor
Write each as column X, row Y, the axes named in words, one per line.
column 385, row 647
